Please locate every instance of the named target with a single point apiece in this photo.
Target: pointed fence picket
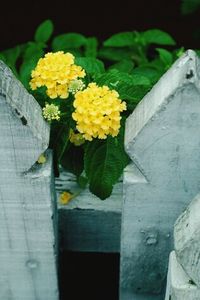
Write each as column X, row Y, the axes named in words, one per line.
column 163, row 141
column 27, row 198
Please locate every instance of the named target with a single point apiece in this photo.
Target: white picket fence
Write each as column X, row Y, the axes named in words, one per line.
column 163, row 141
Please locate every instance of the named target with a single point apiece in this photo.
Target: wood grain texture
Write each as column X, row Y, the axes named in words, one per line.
column 187, row 240
column 27, row 198
column 179, row 284
column 88, row 223
column 162, row 140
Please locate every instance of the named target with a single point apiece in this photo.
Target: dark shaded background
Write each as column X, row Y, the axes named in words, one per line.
column 100, row 18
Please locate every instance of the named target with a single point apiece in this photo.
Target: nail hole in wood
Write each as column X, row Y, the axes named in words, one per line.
column 189, row 75
column 23, row 120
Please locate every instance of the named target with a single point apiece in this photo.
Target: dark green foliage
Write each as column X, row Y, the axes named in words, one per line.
column 189, row 6
column 72, row 160
column 121, row 39
column 125, row 65
column 44, row 31
column 157, row 36
column 104, row 163
column 90, row 65
column 91, row 46
column 68, row 41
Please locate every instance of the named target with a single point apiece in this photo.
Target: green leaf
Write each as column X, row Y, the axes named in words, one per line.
column 91, row 47
column 179, row 52
column 131, row 88
column 68, row 40
column 44, row 31
column 157, row 36
column 165, row 56
column 189, row 6
column 90, row 65
column 152, row 74
column 32, row 54
column 121, row 39
column 25, row 72
column 115, row 78
column 125, row 65
column 33, row 51
column 104, row 163
column 72, row 160
column 115, row 54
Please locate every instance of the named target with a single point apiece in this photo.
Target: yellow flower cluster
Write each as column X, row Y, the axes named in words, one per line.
column 51, row 112
column 97, row 112
column 56, row 71
column 76, row 138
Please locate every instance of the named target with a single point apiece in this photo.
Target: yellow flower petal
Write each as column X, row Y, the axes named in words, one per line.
column 65, row 197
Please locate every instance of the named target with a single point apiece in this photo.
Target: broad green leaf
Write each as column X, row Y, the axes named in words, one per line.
column 91, row 47
column 68, row 40
column 114, row 78
column 158, row 65
column 157, row 36
column 125, row 65
column 115, row 54
column 44, row 31
column 152, row 74
column 131, row 88
column 179, row 52
column 90, row 65
column 165, row 56
column 75, row 51
column 32, row 54
column 72, row 160
column 33, row 51
column 104, row 162
column 25, row 72
column 189, row 6
column 121, row 39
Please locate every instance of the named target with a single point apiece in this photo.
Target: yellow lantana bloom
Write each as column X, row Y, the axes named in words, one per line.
column 76, row 138
column 65, row 197
column 56, row 71
column 97, row 112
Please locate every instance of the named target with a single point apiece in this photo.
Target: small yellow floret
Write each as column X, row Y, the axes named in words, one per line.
column 56, row 71
column 97, row 112
column 76, row 138
column 65, row 197
column 42, row 159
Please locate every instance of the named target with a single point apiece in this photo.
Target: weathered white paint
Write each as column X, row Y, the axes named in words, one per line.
column 162, row 138
column 187, row 240
column 179, row 284
column 27, row 198
column 87, row 223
